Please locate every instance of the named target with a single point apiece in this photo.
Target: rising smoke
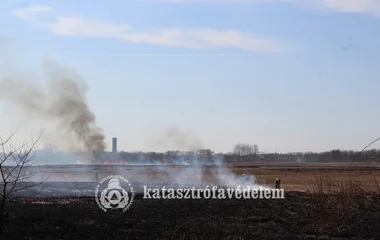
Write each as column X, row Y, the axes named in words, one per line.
column 63, row 101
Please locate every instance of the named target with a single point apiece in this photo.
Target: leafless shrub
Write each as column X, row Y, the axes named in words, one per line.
column 16, row 170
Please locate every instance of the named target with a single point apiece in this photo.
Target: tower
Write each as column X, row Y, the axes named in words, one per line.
column 114, row 145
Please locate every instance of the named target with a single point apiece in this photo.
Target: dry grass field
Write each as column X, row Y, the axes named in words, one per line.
column 316, row 180
column 368, row 165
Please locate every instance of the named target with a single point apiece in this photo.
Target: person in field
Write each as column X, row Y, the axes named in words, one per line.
column 278, row 181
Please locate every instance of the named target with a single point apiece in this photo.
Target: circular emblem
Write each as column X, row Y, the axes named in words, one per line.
column 114, row 193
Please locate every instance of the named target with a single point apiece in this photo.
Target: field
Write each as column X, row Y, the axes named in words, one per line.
column 323, row 202
column 316, row 180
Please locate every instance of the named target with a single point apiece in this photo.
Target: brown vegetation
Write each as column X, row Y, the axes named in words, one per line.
column 316, row 179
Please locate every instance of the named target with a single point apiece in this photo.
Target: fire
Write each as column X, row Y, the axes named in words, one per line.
column 115, row 163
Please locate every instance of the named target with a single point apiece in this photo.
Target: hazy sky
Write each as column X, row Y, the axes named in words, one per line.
column 289, row 75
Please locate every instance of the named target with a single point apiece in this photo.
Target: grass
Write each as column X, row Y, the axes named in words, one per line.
column 316, row 180
column 306, row 164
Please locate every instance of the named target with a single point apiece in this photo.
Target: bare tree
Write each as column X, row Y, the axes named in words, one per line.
column 16, row 170
column 246, row 151
column 205, row 154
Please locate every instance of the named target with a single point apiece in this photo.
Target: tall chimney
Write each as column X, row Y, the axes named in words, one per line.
column 114, row 144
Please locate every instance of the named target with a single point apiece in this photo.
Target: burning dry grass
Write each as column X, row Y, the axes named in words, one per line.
column 305, row 179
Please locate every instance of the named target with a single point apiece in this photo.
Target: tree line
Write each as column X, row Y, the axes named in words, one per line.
column 249, row 153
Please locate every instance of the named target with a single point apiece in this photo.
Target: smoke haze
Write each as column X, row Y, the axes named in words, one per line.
column 63, row 101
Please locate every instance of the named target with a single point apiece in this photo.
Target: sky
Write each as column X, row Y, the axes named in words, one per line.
column 287, row 75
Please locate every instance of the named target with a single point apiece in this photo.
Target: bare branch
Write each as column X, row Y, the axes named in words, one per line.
column 363, row 150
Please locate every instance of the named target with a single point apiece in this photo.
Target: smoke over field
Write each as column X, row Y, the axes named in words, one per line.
column 82, row 179
column 62, row 101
